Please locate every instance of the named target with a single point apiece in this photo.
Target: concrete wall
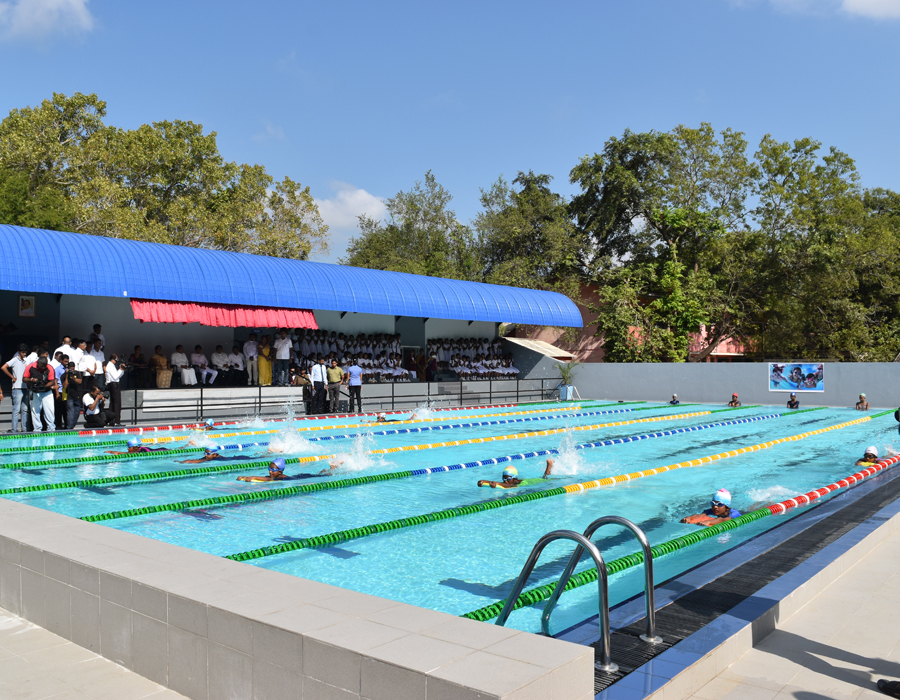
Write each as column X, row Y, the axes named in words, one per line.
column 714, row 382
column 355, row 323
column 450, row 328
column 212, row 628
column 31, row 330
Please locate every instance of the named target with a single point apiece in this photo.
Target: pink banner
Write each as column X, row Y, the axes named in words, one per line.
column 226, row 315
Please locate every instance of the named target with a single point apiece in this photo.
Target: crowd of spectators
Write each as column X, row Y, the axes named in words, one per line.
column 472, row 358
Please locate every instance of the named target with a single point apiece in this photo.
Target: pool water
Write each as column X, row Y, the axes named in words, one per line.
column 463, row 563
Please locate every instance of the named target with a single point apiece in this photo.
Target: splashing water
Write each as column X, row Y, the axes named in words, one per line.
column 772, row 494
column 422, row 412
column 569, row 461
column 357, row 458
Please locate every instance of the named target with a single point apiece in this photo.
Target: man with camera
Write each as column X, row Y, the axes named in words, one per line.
column 41, row 381
column 74, row 384
column 115, row 370
column 95, row 415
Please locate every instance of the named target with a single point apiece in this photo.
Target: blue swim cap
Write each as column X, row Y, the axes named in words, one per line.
column 213, row 448
column 277, row 465
column 134, row 442
column 723, row 496
column 510, row 472
column 209, row 422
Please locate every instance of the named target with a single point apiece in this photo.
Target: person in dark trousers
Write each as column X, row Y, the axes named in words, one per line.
column 792, row 401
column 319, row 379
column 335, row 382
column 353, row 381
column 95, row 414
column 74, row 384
column 114, row 372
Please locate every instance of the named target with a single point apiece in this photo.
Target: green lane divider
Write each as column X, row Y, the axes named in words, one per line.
column 357, row 532
column 67, row 446
column 541, row 593
column 36, row 436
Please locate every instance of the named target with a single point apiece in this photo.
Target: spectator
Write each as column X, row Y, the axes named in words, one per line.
column 180, row 362
column 74, row 386
column 95, row 415
column 59, row 364
column 236, row 366
column 353, row 380
column 86, row 364
column 66, row 348
column 99, row 356
column 335, row 380
column 265, row 362
column 98, row 332
column 19, row 392
column 219, row 361
column 201, row 365
column 41, row 380
column 114, row 372
column 251, row 356
column 284, row 351
column 138, row 367
column 319, row 378
column 159, row 365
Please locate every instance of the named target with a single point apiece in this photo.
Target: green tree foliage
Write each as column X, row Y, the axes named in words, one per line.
column 421, row 236
column 61, row 167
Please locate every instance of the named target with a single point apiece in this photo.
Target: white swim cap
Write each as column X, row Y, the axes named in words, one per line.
column 872, row 450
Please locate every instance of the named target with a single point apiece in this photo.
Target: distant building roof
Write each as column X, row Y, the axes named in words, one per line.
column 113, row 267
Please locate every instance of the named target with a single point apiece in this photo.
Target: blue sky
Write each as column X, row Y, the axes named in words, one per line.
column 358, row 100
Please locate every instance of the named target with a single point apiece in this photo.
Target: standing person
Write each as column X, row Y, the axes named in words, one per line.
column 251, row 357
column 353, row 380
column 335, row 381
column 95, row 415
column 98, row 332
column 284, row 351
column 862, row 404
column 15, row 370
column 86, row 364
column 114, row 373
column 74, row 386
column 41, row 381
column 319, row 379
column 99, row 362
column 792, row 401
column 59, row 364
column 265, row 362
column 66, row 348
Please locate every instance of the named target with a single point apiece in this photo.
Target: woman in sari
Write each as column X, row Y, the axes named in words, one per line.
column 159, row 365
column 265, row 362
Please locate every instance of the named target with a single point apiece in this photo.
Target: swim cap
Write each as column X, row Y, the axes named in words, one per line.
column 723, row 496
column 793, row 394
column 212, row 448
column 872, row 450
column 675, row 395
column 734, row 394
column 209, row 422
column 511, row 472
column 134, row 442
column 277, row 465
column 863, row 395
column 381, row 415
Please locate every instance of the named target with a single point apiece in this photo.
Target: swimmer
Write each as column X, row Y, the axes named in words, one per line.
column 719, row 511
column 674, row 401
column 792, row 401
column 276, row 472
column 381, row 418
column 862, row 404
column 208, row 424
column 511, row 478
column 734, row 403
column 869, row 457
column 135, row 447
column 211, row 454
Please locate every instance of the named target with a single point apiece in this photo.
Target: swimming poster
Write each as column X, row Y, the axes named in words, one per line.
column 796, row 376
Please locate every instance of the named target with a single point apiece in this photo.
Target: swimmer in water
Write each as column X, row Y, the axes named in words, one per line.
column 862, row 404
column 511, row 478
column 792, row 401
column 381, row 418
column 135, row 447
column 276, row 472
column 719, row 511
column 674, row 401
column 734, row 403
column 869, row 457
column 212, row 454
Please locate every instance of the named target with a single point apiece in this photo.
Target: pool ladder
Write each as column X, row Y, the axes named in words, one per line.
column 584, row 544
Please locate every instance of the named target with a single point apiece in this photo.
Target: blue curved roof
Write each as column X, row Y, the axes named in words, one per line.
column 113, row 267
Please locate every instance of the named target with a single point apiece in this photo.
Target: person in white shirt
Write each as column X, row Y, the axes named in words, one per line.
column 220, row 363
column 319, row 377
column 251, row 356
column 180, row 363
column 66, row 348
column 86, row 364
column 98, row 333
column 201, row 364
column 95, row 415
column 19, row 393
column 113, row 375
column 236, row 366
column 99, row 358
column 284, row 350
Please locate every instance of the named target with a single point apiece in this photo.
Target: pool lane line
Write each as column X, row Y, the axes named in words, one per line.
column 51, row 463
column 541, row 593
column 366, row 530
column 130, row 479
column 113, row 443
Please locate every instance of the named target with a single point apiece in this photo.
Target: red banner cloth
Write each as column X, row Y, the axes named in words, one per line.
column 227, row 315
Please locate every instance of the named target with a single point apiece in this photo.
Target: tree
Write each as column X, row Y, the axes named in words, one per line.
column 421, row 236
column 62, row 167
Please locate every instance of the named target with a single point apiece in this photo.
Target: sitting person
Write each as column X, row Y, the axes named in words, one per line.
column 870, row 456
column 734, row 403
column 135, row 447
column 862, row 404
column 159, row 366
column 180, row 364
column 511, row 478
column 220, row 363
column 201, row 366
column 276, row 472
column 792, row 401
column 95, row 414
column 674, row 401
column 236, row 367
column 719, row 511
column 212, row 453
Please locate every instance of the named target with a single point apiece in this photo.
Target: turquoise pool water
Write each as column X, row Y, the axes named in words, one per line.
column 463, row 563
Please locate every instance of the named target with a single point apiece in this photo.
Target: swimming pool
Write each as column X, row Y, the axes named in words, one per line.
column 462, row 563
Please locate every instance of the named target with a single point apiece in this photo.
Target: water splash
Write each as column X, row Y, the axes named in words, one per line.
column 767, row 496
column 569, row 461
column 357, row 458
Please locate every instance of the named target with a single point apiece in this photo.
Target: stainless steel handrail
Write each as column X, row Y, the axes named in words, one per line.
column 583, row 543
column 649, row 598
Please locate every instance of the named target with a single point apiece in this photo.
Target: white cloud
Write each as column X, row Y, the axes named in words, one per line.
column 878, row 9
column 40, row 19
column 341, row 212
column 270, row 133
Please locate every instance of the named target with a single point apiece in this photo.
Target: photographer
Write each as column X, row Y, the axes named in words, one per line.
column 41, row 380
column 95, row 415
column 74, row 384
column 115, row 370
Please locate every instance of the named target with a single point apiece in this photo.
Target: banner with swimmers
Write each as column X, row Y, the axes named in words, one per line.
column 796, row 376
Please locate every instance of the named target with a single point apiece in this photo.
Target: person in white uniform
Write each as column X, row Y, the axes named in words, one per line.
column 180, row 362
column 251, row 358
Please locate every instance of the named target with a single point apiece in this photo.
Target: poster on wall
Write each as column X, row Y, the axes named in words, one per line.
column 796, row 376
column 26, row 306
